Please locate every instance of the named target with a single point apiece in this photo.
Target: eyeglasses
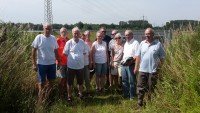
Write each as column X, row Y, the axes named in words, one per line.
column 113, row 34
column 103, row 31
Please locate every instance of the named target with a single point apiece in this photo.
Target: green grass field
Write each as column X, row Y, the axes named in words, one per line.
column 178, row 89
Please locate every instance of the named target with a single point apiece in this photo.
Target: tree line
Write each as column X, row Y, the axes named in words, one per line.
column 131, row 24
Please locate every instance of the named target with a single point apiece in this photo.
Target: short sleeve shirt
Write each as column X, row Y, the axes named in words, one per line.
column 130, row 49
column 75, row 52
column 149, row 55
column 45, row 47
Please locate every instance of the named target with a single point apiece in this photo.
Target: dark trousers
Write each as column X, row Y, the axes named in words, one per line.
column 146, row 84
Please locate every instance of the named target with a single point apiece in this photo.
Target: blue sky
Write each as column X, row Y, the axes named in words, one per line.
column 157, row 12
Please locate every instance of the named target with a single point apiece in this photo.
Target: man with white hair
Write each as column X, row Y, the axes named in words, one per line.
column 75, row 51
column 62, row 68
column 128, row 77
column 46, row 47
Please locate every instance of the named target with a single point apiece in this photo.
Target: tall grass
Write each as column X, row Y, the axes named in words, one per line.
column 178, row 89
column 17, row 83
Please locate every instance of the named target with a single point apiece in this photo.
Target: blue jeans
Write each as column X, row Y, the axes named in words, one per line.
column 128, row 81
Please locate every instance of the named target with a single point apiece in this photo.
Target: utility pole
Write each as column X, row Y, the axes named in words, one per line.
column 143, row 22
column 48, row 17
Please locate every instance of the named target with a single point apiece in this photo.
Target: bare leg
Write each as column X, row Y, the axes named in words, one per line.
column 40, row 92
column 48, row 88
column 97, row 82
column 80, row 89
column 63, row 86
column 111, row 80
column 116, row 81
column 102, row 83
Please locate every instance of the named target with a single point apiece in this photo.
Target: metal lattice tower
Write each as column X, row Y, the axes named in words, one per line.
column 48, row 17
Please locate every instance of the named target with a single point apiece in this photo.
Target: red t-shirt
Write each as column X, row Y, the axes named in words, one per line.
column 61, row 43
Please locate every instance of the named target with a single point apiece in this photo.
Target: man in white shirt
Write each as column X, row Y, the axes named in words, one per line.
column 128, row 77
column 46, row 47
column 75, row 51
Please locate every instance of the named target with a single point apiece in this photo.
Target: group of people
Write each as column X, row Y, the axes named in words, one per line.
column 115, row 60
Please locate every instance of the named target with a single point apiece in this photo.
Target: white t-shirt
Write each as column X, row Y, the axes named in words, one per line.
column 100, row 54
column 130, row 49
column 75, row 53
column 45, row 47
column 86, row 56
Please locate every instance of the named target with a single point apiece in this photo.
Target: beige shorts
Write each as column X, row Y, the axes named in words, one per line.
column 117, row 69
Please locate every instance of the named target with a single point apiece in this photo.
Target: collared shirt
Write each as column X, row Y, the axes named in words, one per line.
column 130, row 49
column 45, row 47
column 75, row 53
column 149, row 55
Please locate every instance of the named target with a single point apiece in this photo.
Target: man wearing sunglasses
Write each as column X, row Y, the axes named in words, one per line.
column 106, row 39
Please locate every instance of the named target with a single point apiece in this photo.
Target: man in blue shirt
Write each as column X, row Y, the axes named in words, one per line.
column 150, row 55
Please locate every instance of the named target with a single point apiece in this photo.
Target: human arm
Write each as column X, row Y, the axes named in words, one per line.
column 90, row 59
column 57, row 56
column 107, row 56
column 34, row 59
column 162, row 56
column 93, row 55
column 137, row 58
column 137, row 61
column 112, row 58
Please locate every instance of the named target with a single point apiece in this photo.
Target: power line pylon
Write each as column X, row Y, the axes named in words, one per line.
column 48, row 16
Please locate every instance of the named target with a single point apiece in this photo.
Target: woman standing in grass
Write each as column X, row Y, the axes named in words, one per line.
column 100, row 57
column 87, row 61
column 116, row 57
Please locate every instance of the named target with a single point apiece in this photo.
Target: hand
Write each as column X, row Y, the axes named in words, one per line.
column 112, row 65
column 94, row 66
column 90, row 66
column 35, row 68
column 136, row 70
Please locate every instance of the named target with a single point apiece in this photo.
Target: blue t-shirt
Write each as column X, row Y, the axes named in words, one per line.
column 150, row 55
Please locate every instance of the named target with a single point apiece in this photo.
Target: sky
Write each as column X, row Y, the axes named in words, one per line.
column 157, row 12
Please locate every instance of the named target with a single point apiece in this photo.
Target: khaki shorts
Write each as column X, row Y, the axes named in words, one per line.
column 117, row 69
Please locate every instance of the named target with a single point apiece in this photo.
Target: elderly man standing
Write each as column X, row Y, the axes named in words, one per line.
column 62, row 68
column 46, row 47
column 128, row 77
column 75, row 51
column 150, row 55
